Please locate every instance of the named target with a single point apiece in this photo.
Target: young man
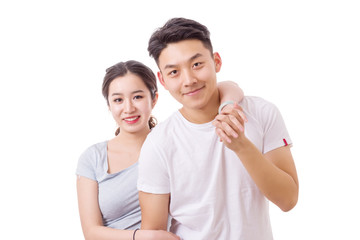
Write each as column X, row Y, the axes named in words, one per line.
column 212, row 189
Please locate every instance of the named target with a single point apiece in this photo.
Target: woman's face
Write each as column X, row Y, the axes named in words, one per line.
column 130, row 103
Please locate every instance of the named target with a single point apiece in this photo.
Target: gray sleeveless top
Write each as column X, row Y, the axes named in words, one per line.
column 118, row 195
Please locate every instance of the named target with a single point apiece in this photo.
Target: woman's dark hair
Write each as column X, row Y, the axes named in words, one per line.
column 175, row 30
column 121, row 69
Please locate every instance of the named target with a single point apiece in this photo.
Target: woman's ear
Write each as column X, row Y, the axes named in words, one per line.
column 218, row 62
column 155, row 99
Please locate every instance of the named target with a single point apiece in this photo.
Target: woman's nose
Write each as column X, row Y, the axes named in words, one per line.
column 129, row 106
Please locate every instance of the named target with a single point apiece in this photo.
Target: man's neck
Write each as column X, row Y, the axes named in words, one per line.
column 205, row 114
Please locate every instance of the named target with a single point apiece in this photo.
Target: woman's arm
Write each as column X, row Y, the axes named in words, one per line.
column 91, row 219
column 230, row 91
column 90, row 215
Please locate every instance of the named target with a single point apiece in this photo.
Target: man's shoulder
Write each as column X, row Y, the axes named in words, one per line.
column 256, row 104
column 258, row 108
column 162, row 131
column 255, row 101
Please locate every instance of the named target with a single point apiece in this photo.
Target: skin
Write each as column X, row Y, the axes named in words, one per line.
column 188, row 71
column 273, row 172
column 130, row 104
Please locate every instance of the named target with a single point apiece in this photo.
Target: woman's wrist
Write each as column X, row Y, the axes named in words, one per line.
column 140, row 234
column 135, row 233
column 224, row 104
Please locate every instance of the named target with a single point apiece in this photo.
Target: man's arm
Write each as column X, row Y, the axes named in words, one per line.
column 287, row 194
column 274, row 172
column 154, row 210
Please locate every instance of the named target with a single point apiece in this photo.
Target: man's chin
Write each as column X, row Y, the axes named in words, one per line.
column 195, row 106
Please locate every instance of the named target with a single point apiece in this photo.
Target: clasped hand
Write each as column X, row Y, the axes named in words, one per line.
column 230, row 126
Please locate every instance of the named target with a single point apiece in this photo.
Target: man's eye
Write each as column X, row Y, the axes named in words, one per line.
column 197, row 64
column 173, row 72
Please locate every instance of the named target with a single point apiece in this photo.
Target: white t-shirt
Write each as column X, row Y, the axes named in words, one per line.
column 212, row 195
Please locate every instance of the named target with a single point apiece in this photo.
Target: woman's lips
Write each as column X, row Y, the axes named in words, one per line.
column 131, row 120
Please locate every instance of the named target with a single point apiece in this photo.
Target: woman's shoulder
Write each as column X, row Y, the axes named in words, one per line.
column 96, row 148
column 91, row 159
column 95, row 152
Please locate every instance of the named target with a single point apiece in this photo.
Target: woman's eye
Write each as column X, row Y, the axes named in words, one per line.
column 118, row 100
column 138, row 97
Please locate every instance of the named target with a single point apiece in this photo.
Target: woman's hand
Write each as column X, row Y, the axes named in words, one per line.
column 230, row 122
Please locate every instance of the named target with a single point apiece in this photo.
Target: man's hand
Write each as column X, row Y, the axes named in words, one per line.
column 230, row 125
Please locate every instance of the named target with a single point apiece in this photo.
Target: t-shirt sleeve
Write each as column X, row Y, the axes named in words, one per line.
column 153, row 175
column 275, row 132
column 86, row 164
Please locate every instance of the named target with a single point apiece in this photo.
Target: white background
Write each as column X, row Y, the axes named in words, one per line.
column 304, row 56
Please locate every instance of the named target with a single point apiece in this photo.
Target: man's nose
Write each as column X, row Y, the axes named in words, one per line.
column 189, row 78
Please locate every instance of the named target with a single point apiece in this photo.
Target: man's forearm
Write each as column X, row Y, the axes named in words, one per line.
column 273, row 179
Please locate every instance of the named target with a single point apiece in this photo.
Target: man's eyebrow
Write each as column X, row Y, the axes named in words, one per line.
column 190, row 59
column 170, row 66
column 195, row 56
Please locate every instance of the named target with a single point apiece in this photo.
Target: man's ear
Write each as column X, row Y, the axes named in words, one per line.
column 161, row 79
column 218, row 62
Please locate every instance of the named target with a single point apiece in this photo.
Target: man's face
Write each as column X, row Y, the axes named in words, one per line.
column 188, row 71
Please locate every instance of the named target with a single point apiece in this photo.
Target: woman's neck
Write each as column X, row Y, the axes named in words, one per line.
column 137, row 138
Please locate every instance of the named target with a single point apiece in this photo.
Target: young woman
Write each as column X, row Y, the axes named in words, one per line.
column 107, row 171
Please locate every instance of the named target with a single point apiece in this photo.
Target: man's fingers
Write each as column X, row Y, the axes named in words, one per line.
column 234, row 109
column 222, row 135
column 234, row 122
